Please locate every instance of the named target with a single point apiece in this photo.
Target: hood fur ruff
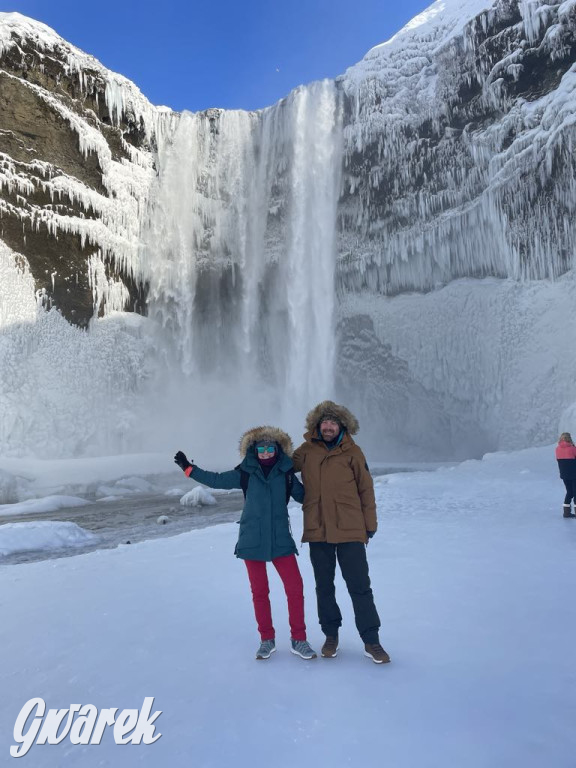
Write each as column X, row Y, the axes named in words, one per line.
column 273, row 434
column 331, row 410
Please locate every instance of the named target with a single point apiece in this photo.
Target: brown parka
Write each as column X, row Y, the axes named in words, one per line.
column 339, row 504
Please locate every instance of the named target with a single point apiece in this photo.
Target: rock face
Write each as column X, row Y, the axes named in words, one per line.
column 62, row 144
column 425, row 201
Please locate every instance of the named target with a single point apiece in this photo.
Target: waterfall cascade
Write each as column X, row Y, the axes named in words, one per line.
column 239, row 253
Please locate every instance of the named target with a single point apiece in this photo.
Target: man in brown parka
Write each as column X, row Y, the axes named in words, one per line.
column 339, row 518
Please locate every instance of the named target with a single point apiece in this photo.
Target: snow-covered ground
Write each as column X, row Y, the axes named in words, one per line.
column 473, row 570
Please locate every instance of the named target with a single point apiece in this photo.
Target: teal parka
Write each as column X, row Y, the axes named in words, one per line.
column 264, row 526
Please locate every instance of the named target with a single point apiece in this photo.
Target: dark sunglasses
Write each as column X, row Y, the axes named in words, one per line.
column 266, row 449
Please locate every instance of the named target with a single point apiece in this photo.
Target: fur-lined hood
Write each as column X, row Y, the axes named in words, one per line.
column 273, row 434
column 332, row 410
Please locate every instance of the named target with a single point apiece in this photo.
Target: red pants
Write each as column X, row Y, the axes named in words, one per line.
column 289, row 572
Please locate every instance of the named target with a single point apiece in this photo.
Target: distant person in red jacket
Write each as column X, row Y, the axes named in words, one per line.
column 566, row 457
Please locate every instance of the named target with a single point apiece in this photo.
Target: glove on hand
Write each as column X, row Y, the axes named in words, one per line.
column 182, row 461
column 370, row 534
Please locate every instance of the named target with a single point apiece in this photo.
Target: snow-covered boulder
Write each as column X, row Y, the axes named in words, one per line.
column 197, row 497
column 42, row 534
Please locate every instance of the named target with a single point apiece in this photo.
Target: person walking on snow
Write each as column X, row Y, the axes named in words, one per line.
column 339, row 518
column 266, row 476
column 566, row 457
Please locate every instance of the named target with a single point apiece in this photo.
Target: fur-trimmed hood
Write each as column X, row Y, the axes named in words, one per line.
column 273, row 434
column 339, row 413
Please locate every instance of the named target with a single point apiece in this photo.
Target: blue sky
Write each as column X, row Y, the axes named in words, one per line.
column 197, row 54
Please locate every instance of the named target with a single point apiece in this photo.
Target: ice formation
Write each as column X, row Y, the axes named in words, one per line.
column 402, row 238
column 64, row 391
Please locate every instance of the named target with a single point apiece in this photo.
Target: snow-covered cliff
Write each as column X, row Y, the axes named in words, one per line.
column 402, row 238
column 459, row 148
column 76, row 166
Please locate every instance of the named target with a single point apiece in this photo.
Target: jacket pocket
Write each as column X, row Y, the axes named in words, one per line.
column 311, row 516
column 349, row 518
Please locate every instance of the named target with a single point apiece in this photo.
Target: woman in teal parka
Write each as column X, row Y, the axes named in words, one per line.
column 266, row 476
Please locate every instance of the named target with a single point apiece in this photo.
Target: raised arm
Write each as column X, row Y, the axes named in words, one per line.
column 223, row 480
column 226, row 480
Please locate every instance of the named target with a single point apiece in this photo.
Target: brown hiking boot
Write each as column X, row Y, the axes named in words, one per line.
column 375, row 652
column 567, row 512
column 330, row 648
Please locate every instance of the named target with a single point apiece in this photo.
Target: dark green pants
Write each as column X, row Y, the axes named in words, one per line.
column 354, row 568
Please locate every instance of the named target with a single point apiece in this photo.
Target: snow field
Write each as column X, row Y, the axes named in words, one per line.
column 472, row 569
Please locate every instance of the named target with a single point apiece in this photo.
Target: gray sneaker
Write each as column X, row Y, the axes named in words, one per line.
column 267, row 648
column 302, row 649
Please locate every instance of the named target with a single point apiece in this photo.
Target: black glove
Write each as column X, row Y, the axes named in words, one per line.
column 182, row 461
column 370, row 534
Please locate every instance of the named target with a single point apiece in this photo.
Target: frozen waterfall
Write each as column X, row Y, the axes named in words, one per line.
column 415, row 219
column 240, row 255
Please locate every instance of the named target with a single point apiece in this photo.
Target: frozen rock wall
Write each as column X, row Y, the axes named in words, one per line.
column 459, row 149
column 459, row 163
column 76, row 165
